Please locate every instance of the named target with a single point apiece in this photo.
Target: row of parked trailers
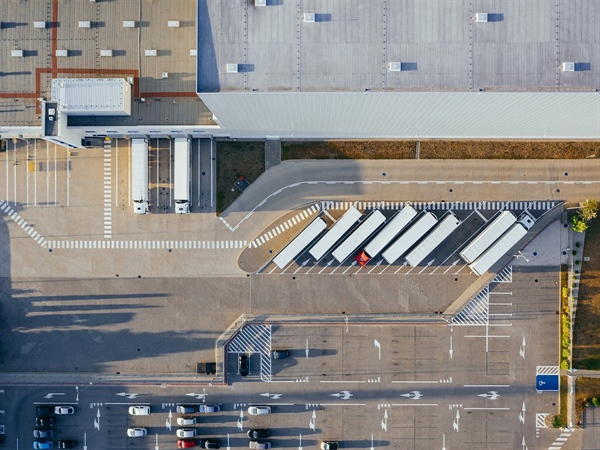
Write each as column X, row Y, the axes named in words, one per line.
column 424, row 235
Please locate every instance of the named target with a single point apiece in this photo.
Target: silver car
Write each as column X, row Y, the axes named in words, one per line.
column 260, row 445
column 136, row 432
column 259, row 410
column 209, row 408
column 186, row 420
column 139, row 410
column 186, row 433
column 63, row 410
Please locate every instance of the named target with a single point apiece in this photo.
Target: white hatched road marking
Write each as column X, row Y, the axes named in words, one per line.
column 107, row 189
column 505, row 276
column 477, row 311
column 254, row 339
column 22, row 223
column 547, row 370
column 298, row 218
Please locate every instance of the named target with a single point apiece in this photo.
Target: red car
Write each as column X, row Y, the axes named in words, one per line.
column 186, row 443
column 362, row 258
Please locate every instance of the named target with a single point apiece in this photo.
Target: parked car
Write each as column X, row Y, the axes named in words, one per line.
column 243, row 365
column 43, row 445
column 45, row 410
column 136, row 432
column 209, row 408
column 186, row 420
column 186, row 433
column 280, row 354
column 45, row 421
column 261, row 445
column 212, row 443
column 258, row 433
column 67, row 443
column 64, row 410
column 186, row 409
column 259, row 410
column 186, row 443
column 142, row 410
column 329, row 445
column 43, row 433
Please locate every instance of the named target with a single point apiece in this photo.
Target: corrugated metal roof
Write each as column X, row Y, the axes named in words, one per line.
column 449, row 115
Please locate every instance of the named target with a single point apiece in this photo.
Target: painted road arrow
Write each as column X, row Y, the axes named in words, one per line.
column 156, row 447
column 522, row 414
column 344, row 395
column 306, row 349
column 384, row 421
column 273, row 396
column 84, row 441
column 414, row 395
column 168, row 422
column 228, row 447
column 129, row 396
column 491, row 395
column 198, row 396
column 451, row 351
column 97, row 420
column 300, row 445
column 456, row 422
column 52, row 394
column 372, row 447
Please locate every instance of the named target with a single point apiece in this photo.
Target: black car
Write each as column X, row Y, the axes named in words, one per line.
column 45, row 410
column 280, row 354
column 186, row 409
column 258, row 433
column 67, row 443
column 45, row 421
column 209, row 443
column 43, row 433
column 243, row 365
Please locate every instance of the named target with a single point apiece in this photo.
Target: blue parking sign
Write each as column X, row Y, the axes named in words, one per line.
column 546, row 382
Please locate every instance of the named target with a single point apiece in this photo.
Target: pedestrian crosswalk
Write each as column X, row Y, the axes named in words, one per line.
column 22, row 223
column 466, row 206
column 298, row 218
column 147, row 245
column 107, row 189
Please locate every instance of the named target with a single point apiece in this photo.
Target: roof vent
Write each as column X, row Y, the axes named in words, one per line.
column 260, row 2
column 395, row 67
column 232, row 68
column 129, row 24
column 165, row 74
column 481, row 17
column 568, row 67
column 39, row 25
column 150, row 52
column 106, row 52
column 62, row 53
column 309, row 17
column 16, row 53
column 85, row 24
column 193, row 52
column 173, row 23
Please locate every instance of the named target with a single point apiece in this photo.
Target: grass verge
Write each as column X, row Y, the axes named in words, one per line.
column 565, row 320
column 587, row 393
column 434, row 149
column 235, row 159
column 586, row 333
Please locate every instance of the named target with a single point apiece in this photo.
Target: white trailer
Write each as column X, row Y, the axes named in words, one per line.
column 358, row 236
column 300, row 242
column 410, row 237
column 182, row 175
column 442, row 230
column 488, row 236
column 335, row 233
column 498, row 249
column 139, row 175
column 390, row 231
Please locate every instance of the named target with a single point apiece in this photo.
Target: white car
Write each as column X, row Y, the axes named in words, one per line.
column 63, row 410
column 259, row 410
column 139, row 410
column 136, row 432
column 209, row 408
column 186, row 420
column 186, row 433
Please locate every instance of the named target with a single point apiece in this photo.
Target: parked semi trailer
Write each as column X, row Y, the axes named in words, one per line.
column 335, row 233
column 488, row 236
column 410, row 237
column 358, row 236
column 385, row 236
column 441, row 231
column 183, row 175
column 139, row 175
column 300, row 242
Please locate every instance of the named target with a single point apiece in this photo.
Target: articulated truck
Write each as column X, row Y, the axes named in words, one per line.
column 183, row 178
column 139, row 175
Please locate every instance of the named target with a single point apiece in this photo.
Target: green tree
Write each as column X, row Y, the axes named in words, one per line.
column 579, row 225
column 589, row 210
